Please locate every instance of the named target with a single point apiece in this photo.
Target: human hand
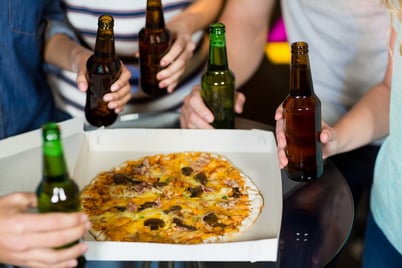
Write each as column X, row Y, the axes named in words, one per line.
column 195, row 114
column 29, row 239
column 121, row 89
column 175, row 61
column 327, row 138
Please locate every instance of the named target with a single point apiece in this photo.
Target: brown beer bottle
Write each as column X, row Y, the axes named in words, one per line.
column 302, row 119
column 103, row 69
column 218, row 82
column 57, row 192
column 154, row 43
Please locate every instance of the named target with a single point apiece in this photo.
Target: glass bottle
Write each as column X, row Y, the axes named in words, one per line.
column 218, row 82
column 103, row 68
column 56, row 192
column 302, row 119
column 154, row 43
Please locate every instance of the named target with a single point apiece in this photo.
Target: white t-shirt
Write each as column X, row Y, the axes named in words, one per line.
column 129, row 18
column 346, row 64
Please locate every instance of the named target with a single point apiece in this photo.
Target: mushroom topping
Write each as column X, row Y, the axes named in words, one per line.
column 195, row 191
column 201, row 178
column 124, row 179
column 212, row 220
column 236, row 192
column 148, row 205
column 181, row 224
column 154, row 224
column 187, row 171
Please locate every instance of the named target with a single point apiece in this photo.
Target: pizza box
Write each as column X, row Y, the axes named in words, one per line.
column 90, row 152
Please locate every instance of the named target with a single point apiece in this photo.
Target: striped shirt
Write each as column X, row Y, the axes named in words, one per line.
column 129, row 18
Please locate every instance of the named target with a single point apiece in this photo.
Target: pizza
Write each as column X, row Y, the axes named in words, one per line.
column 182, row 197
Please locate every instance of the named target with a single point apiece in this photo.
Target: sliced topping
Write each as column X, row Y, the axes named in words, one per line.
column 124, row 179
column 236, row 192
column 148, row 205
column 201, row 178
column 212, row 220
column 187, row 171
column 195, row 191
column 154, row 224
column 181, row 224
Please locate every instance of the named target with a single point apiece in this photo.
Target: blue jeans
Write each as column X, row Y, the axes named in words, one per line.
column 378, row 251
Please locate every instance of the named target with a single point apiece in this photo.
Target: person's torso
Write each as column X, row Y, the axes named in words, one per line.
column 129, row 18
column 25, row 97
column 348, row 43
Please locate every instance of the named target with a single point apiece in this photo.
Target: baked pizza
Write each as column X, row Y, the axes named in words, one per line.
column 183, row 197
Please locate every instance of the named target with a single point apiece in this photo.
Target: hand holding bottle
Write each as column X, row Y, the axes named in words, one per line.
column 176, row 58
column 120, row 90
column 195, row 114
column 27, row 239
column 328, row 139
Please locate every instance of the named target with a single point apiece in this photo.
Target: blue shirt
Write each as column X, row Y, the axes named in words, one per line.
column 26, row 101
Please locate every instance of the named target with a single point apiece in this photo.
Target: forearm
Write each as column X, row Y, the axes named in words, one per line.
column 367, row 121
column 247, row 24
column 65, row 53
column 197, row 16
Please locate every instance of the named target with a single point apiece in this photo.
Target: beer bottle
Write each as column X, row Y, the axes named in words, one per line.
column 57, row 192
column 103, row 69
column 154, row 43
column 302, row 119
column 218, row 82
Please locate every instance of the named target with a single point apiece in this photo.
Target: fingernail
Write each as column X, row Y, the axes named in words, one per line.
column 83, row 217
column 208, row 118
column 107, row 98
column 114, row 87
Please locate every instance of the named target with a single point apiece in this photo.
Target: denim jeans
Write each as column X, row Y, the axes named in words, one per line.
column 378, row 251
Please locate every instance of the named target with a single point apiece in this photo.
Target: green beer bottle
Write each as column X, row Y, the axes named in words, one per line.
column 57, row 192
column 218, row 82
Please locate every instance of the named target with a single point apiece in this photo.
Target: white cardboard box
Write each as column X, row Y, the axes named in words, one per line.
column 87, row 153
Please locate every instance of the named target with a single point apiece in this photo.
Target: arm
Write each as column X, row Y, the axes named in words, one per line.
column 180, row 58
column 367, row 121
column 246, row 35
column 28, row 239
column 246, row 25
column 62, row 50
column 370, row 114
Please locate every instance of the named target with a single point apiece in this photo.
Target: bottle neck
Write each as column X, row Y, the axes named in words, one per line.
column 301, row 83
column 104, row 45
column 217, row 53
column 154, row 15
column 54, row 164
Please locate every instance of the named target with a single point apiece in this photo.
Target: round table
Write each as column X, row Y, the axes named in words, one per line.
column 316, row 223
